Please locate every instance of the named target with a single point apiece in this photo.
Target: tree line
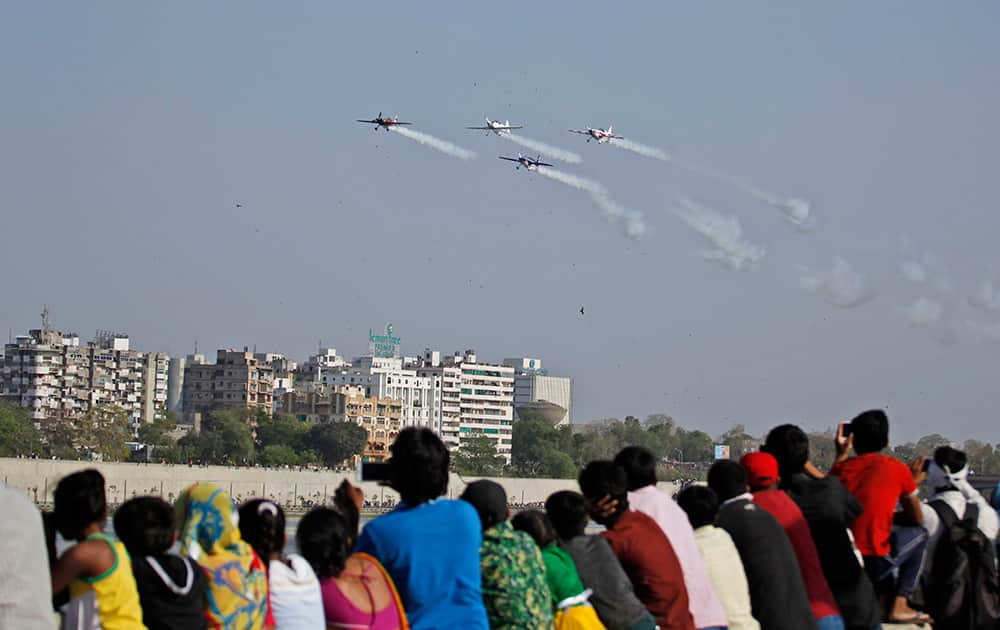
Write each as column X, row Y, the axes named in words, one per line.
column 228, row 437
column 538, row 449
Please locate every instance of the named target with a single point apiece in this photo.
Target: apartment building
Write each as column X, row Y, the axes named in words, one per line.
column 380, row 417
column 52, row 375
column 236, row 379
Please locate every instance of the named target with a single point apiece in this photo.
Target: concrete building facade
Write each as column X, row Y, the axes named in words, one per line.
column 534, row 389
column 55, row 377
column 386, row 377
column 236, row 379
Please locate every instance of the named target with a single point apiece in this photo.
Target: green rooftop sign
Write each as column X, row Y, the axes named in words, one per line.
column 384, row 346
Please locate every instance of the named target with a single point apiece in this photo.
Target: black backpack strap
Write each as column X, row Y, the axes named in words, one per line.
column 945, row 513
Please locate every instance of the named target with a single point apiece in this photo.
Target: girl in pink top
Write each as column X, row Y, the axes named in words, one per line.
column 357, row 592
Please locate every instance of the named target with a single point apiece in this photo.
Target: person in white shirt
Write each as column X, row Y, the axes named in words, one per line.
column 947, row 481
column 25, row 586
column 640, row 469
column 721, row 558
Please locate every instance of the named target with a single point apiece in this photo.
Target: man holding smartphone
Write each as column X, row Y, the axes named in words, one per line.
column 892, row 558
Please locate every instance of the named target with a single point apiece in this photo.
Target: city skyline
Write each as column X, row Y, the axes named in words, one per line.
column 195, row 174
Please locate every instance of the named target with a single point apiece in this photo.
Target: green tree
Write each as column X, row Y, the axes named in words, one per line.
column 337, row 441
column 18, row 435
column 477, row 456
column 281, row 430
column 695, row 446
column 738, row 441
column 225, row 438
column 278, row 455
column 102, row 433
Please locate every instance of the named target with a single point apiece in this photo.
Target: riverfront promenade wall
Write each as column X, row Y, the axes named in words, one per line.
column 289, row 488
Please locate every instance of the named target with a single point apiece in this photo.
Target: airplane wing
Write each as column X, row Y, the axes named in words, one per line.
column 370, row 122
column 400, row 123
column 483, row 128
column 508, row 127
column 616, row 137
column 585, row 133
column 508, row 159
column 542, row 164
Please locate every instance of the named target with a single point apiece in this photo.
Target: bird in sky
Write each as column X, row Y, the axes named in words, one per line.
column 239, row 205
column 581, row 310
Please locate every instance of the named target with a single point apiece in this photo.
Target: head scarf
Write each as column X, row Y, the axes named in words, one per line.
column 237, row 579
column 939, row 478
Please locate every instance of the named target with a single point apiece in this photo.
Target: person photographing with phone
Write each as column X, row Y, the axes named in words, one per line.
column 891, row 542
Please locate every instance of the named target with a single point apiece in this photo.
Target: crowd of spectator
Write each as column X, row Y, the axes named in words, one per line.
column 769, row 543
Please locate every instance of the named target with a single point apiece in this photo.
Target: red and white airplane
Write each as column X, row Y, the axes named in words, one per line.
column 497, row 127
column 601, row 135
column 385, row 123
column 528, row 163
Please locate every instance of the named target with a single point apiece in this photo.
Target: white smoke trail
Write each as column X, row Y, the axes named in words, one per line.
column 988, row 331
column 842, row 286
column 435, row 143
column 986, row 298
column 545, row 149
column 632, row 222
column 796, row 211
column 580, row 183
column 922, row 269
column 923, row 312
column 725, row 233
column 640, row 149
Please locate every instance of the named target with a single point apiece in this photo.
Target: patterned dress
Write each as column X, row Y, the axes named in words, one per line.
column 514, row 588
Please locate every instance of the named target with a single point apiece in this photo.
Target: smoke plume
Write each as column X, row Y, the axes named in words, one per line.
column 545, row 149
column 640, row 149
column 435, row 143
column 923, row 312
column 632, row 222
column 842, row 287
column 986, row 298
column 796, row 211
column 725, row 233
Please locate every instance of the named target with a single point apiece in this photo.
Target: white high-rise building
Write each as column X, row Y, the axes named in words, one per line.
column 484, row 398
column 535, row 390
column 386, row 377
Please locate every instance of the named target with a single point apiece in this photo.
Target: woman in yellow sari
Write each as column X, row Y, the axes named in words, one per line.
column 237, row 597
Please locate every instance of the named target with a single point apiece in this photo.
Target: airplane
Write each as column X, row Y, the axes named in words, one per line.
column 386, row 123
column 528, row 163
column 497, row 127
column 598, row 134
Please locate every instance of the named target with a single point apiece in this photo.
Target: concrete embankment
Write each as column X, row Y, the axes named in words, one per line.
column 290, row 488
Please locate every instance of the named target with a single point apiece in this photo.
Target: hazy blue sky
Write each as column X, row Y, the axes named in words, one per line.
column 128, row 131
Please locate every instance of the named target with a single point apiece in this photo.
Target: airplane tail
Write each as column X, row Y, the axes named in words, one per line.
column 610, row 130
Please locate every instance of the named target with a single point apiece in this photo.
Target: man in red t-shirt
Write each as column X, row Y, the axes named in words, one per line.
column 879, row 483
column 642, row 548
column 762, row 475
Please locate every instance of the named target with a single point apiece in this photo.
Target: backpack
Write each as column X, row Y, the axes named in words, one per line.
column 959, row 585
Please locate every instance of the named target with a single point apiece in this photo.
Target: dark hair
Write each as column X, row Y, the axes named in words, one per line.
column 145, row 525
column 700, row 503
column 871, row 431
column 639, row 465
column 490, row 500
column 79, row 502
column 323, row 538
column 537, row 525
column 790, row 446
column 727, row 479
column 605, row 478
column 419, row 465
column 953, row 458
column 567, row 511
column 262, row 525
